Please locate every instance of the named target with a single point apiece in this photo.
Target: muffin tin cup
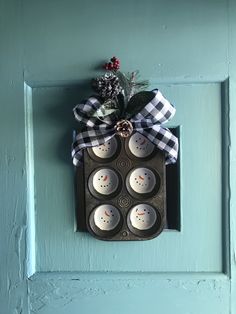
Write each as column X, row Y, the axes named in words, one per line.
column 138, row 147
column 99, row 188
column 138, row 224
column 106, row 152
column 138, row 179
column 105, row 221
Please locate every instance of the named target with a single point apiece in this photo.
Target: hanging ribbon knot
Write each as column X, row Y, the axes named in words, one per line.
column 148, row 122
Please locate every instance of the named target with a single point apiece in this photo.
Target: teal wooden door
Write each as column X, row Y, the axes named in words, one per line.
column 49, row 51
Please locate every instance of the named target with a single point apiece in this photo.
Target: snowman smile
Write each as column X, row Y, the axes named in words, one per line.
column 105, row 147
column 105, row 178
column 142, row 180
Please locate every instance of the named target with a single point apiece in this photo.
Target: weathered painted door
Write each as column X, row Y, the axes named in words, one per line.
column 49, row 51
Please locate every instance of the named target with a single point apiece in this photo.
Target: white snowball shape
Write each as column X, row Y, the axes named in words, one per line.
column 142, row 216
column 105, row 181
column 106, row 150
column 140, row 146
column 106, row 217
column 142, row 180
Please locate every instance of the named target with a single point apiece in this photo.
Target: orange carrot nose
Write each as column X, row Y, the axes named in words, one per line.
column 105, row 178
column 107, row 213
column 143, row 142
column 140, row 177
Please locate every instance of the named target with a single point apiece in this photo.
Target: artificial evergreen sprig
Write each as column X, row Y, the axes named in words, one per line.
column 117, row 88
column 135, row 84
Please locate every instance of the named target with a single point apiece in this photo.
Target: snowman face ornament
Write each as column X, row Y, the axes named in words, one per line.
column 106, row 150
column 140, row 146
column 106, row 217
column 143, row 217
column 142, row 180
column 105, row 181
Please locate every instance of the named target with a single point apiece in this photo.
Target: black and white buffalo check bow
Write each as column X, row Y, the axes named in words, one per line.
column 148, row 122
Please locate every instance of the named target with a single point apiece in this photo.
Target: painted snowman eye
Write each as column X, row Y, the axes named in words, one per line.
column 142, row 180
column 140, row 146
column 142, row 217
column 106, row 150
column 105, row 181
column 106, row 217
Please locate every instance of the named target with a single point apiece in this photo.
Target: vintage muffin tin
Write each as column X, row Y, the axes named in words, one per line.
column 121, row 190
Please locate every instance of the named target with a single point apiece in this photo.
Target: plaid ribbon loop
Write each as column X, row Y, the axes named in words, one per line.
column 147, row 122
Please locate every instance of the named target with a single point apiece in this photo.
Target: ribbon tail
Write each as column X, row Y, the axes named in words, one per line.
column 77, row 157
column 164, row 140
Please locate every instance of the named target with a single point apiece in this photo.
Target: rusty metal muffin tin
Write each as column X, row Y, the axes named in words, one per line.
column 121, row 220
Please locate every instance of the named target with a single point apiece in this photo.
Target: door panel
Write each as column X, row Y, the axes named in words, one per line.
column 200, row 156
column 50, row 52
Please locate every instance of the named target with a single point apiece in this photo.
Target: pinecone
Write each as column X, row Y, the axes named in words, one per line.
column 124, row 128
column 107, row 86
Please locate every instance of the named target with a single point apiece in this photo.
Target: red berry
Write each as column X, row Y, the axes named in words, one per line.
column 113, row 59
column 110, row 66
column 114, row 64
column 117, row 64
column 105, row 66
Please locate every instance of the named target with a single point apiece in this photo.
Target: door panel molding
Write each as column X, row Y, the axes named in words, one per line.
column 70, row 96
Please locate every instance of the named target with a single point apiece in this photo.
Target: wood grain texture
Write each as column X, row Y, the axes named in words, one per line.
column 182, row 41
column 61, row 43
